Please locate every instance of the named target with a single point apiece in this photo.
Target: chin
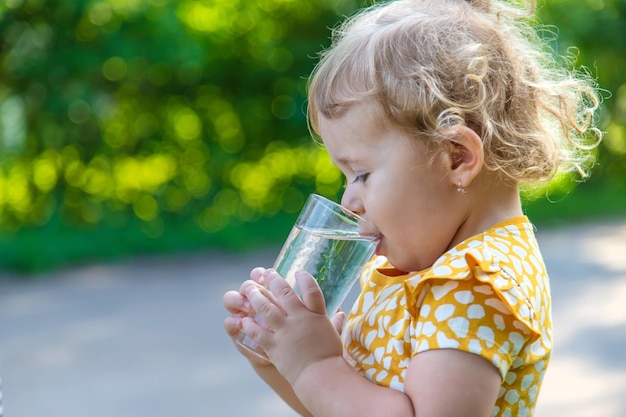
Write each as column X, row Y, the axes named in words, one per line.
column 401, row 265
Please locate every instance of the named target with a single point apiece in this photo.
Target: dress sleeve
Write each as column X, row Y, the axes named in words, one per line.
column 468, row 315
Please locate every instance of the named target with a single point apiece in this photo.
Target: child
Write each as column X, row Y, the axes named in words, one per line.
column 436, row 111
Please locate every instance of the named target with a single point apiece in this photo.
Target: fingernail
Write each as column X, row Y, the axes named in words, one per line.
column 272, row 274
column 249, row 290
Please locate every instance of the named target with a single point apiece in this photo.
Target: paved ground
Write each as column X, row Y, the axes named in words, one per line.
column 144, row 338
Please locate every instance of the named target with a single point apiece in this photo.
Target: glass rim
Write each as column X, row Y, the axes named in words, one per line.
column 373, row 232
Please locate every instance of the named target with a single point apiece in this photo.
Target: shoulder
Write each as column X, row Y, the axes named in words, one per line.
column 505, row 260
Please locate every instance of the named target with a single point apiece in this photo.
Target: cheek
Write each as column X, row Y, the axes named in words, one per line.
column 388, row 208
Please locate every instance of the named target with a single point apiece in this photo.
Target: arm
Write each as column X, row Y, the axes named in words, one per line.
column 239, row 307
column 438, row 383
column 308, row 354
column 265, row 369
column 275, row 380
column 450, row 382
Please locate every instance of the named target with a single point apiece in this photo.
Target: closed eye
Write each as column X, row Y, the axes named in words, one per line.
column 361, row 178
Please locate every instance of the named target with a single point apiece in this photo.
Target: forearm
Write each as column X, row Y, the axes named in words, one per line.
column 275, row 380
column 332, row 388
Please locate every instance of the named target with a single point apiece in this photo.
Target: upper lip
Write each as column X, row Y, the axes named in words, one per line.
column 368, row 229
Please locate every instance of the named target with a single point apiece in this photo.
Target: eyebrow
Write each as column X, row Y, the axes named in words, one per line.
column 346, row 160
column 343, row 161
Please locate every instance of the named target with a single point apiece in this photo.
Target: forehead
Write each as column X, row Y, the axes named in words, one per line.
column 360, row 128
column 363, row 134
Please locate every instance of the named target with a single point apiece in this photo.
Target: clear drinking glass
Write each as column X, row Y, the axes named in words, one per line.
column 331, row 243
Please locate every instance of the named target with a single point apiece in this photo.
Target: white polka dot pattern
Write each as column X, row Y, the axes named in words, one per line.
column 489, row 296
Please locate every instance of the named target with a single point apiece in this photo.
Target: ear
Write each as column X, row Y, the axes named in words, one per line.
column 466, row 156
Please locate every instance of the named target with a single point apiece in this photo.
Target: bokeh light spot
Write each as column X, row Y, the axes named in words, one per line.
column 615, row 139
column 211, row 220
column 13, row 4
column 145, row 207
column 228, row 129
column 175, row 199
column 115, row 134
column 91, row 211
column 12, row 122
column 197, row 183
column 283, row 107
column 280, row 59
column 17, row 192
column 187, row 124
column 114, row 68
column 97, row 182
column 44, row 175
column 100, row 14
column 325, row 171
column 74, row 173
column 227, row 202
column 79, row 111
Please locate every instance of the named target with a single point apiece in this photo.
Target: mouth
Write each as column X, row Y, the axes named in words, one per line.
column 369, row 230
column 378, row 250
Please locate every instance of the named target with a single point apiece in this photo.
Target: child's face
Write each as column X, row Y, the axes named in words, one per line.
column 395, row 184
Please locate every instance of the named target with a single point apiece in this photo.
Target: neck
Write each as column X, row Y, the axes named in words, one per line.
column 486, row 206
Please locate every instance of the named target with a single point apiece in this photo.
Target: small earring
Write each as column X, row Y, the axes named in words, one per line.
column 460, row 189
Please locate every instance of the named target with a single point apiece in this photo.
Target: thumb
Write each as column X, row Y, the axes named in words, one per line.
column 311, row 293
column 337, row 320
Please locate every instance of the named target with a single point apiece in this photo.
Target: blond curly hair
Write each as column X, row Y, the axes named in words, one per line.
column 432, row 65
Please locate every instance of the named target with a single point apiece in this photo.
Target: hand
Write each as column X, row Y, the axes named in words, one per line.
column 300, row 332
column 239, row 307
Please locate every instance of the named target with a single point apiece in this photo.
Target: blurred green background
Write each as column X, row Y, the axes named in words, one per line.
column 165, row 126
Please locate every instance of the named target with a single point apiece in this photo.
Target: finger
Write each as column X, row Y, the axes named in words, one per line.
column 256, row 329
column 311, row 293
column 236, row 304
column 337, row 320
column 256, row 333
column 251, row 283
column 265, row 305
column 258, row 275
column 285, row 295
column 233, row 326
column 246, row 284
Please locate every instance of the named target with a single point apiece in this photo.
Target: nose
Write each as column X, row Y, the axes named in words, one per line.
column 352, row 201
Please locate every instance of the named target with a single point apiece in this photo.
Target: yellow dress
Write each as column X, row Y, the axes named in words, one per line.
column 489, row 296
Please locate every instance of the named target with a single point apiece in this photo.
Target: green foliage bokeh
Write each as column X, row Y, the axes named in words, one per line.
column 133, row 126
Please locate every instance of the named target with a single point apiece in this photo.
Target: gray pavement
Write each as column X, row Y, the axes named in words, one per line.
column 144, row 337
